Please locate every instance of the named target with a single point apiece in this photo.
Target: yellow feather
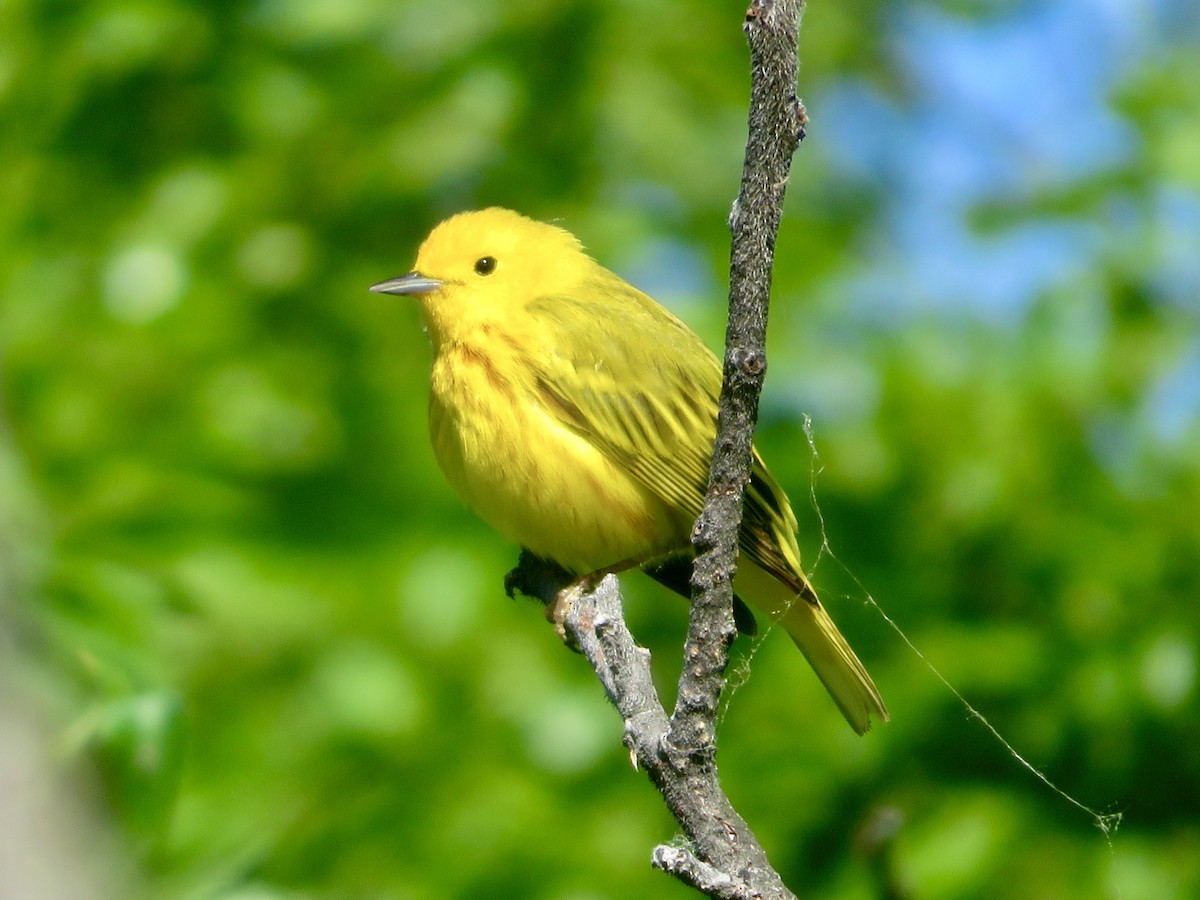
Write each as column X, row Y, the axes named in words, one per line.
column 576, row 416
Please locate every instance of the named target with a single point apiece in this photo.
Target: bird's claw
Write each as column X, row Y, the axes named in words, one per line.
column 557, row 612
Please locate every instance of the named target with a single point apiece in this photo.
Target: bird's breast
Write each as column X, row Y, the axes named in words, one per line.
column 540, row 482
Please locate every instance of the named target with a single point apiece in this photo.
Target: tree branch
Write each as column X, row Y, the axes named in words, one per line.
column 776, row 127
column 678, row 752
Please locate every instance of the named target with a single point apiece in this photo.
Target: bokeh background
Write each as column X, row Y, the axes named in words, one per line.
column 250, row 645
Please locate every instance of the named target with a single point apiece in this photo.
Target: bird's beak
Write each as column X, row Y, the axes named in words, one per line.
column 412, row 283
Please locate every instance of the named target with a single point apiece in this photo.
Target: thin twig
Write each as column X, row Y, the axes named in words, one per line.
column 678, row 752
column 776, row 127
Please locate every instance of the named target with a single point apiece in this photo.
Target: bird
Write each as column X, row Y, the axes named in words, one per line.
column 576, row 416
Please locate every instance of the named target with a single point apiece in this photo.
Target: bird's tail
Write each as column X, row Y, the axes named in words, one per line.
column 805, row 619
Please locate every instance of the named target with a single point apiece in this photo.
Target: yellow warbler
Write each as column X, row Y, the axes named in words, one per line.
column 576, row 416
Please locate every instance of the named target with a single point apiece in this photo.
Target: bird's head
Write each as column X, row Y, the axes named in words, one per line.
column 484, row 266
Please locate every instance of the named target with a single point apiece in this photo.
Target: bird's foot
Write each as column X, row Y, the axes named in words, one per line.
column 557, row 612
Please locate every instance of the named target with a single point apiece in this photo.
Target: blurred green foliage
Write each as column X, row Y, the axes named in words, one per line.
column 238, row 593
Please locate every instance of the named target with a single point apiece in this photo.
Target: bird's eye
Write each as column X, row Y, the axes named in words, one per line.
column 485, row 265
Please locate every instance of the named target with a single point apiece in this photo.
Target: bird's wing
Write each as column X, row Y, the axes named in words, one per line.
column 650, row 404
